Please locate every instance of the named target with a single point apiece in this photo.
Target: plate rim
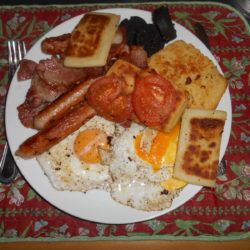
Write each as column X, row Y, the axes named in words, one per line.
column 159, row 213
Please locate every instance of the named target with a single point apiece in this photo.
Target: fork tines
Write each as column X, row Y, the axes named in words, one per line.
column 17, row 51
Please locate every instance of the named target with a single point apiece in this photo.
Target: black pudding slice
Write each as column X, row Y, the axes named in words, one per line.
column 150, row 38
column 133, row 26
column 162, row 20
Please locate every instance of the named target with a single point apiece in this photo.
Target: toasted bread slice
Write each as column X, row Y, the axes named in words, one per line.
column 192, row 71
column 177, row 112
column 129, row 72
column 199, row 146
column 91, row 40
column 126, row 70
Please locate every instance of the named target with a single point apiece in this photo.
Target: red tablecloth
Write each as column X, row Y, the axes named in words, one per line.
column 213, row 214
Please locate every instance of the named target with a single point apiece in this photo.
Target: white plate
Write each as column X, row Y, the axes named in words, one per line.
column 94, row 205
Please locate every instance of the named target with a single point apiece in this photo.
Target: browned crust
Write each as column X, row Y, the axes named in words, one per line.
column 90, row 39
column 197, row 159
column 192, row 71
column 199, row 146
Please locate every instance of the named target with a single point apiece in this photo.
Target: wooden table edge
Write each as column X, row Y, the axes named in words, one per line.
column 124, row 245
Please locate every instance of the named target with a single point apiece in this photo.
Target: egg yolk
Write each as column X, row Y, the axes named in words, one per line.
column 173, row 184
column 88, row 143
column 163, row 151
column 163, row 148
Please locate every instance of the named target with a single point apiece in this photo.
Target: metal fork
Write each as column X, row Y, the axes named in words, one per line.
column 8, row 168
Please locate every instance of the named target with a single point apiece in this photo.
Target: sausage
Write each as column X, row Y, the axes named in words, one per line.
column 61, row 106
column 48, row 137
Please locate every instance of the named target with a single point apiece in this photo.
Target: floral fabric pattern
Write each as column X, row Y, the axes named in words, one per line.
column 222, row 212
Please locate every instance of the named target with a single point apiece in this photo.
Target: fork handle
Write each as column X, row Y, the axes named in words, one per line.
column 8, row 169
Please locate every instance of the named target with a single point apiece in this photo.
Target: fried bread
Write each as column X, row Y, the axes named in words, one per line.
column 126, row 70
column 91, row 40
column 192, row 71
column 198, row 150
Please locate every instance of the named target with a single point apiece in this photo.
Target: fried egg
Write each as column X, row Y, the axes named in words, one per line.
column 104, row 155
column 74, row 164
column 162, row 152
column 139, row 177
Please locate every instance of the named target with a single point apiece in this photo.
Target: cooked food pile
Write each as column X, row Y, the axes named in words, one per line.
column 118, row 111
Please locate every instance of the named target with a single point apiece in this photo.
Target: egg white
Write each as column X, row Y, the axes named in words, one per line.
column 130, row 180
column 135, row 183
column 64, row 169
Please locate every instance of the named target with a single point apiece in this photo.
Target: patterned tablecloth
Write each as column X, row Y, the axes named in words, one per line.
column 222, row 213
